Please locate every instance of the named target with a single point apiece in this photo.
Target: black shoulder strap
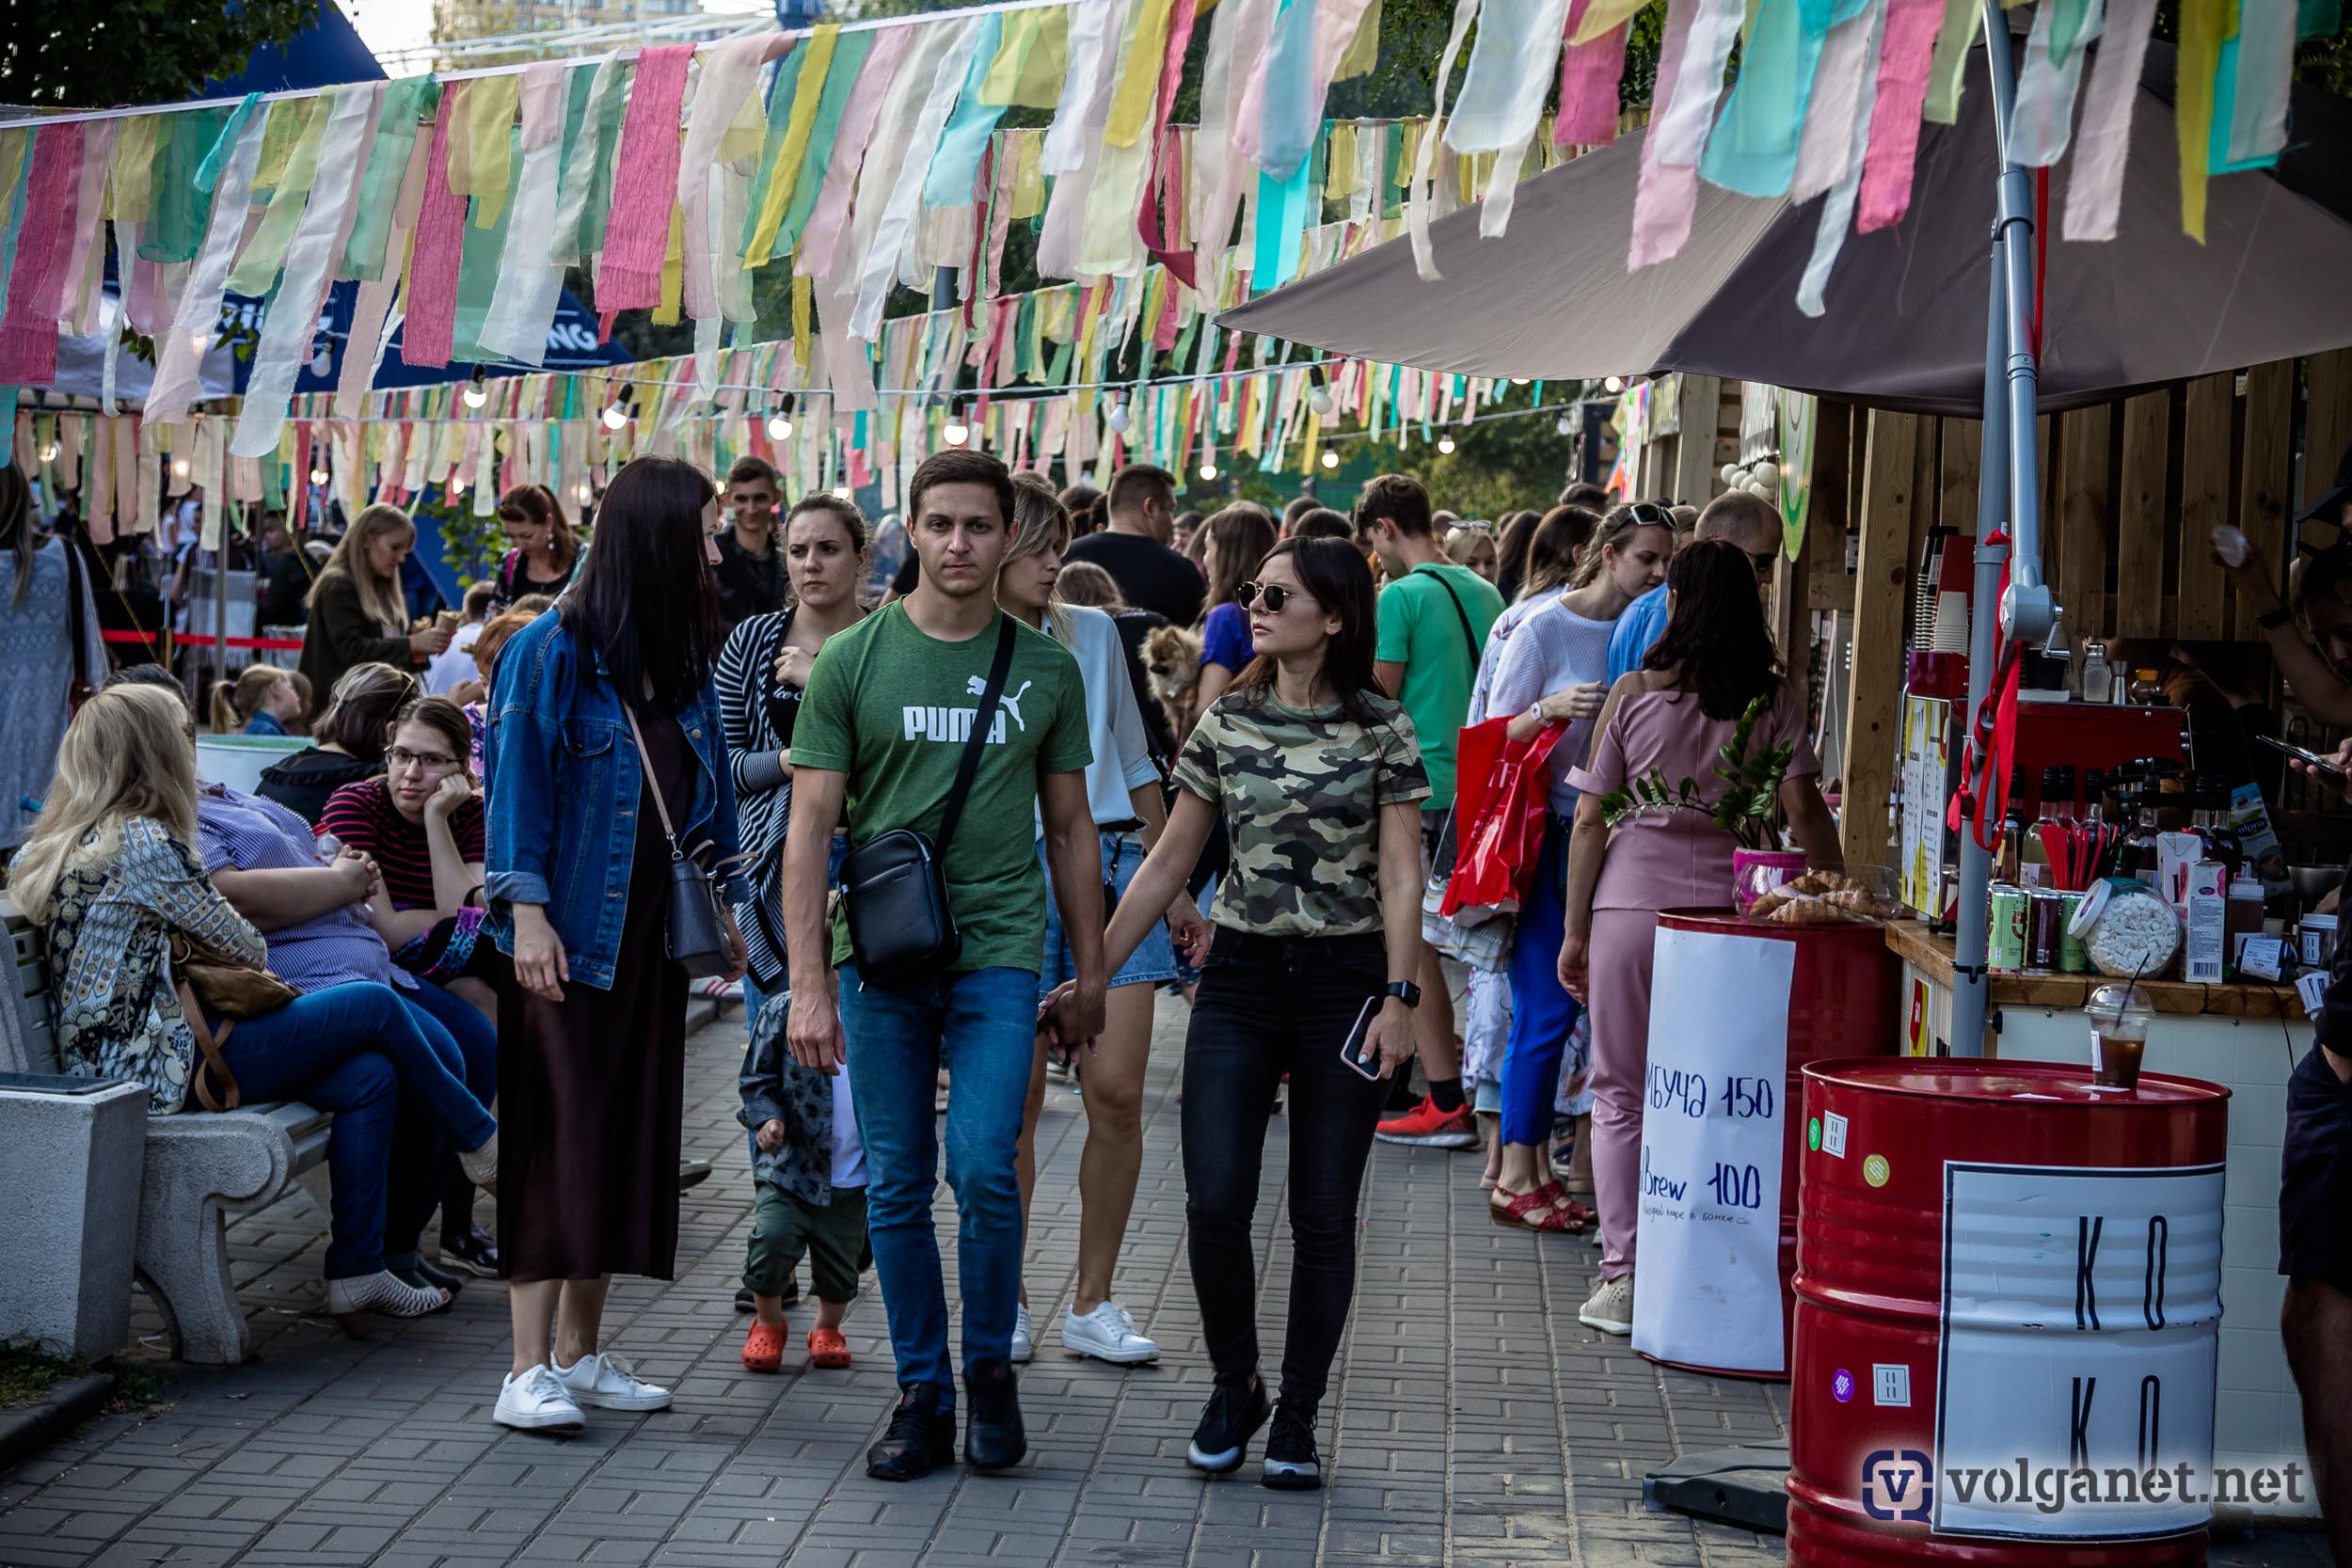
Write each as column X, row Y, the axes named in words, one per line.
column 78, row 613
column 1456, row 599
column 970, row 762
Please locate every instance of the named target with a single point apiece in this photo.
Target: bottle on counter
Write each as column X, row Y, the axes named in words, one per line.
column 2057, row 795
column 2098, row 676
column 2147, row 692
column 2137, row 855
column 2242, row 914
column 2094, row 794
column 2013, row 851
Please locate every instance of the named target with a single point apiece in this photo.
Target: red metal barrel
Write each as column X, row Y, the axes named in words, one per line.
column 1817, row 992
column 2006, row 1274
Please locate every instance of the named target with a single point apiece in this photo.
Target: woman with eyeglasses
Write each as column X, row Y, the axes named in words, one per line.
column 348, row 742
column 1552, row 672
column 1672, row 716
column 1315, row 935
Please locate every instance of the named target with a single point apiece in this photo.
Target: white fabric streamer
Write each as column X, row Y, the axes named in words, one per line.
column 1681, row 133
column 1425, row 157
column 881, row 263
column 728, row 73
column 1826, row 145
column 523, row 301
column 2094, row 183
column 1093, row 33
column 181, row 359
column 1510, row 68
column 1061, row 235
column 2044, row 119
column 1829, row 239
column 318, row 242
column 1237, row 39
column 572, row 204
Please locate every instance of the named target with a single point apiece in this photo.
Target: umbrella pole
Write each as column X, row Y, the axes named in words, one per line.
column 2007, row 490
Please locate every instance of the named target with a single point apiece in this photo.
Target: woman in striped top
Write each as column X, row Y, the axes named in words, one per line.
column 760, row 676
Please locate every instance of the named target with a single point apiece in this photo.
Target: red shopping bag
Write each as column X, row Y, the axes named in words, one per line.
column 1504, row 790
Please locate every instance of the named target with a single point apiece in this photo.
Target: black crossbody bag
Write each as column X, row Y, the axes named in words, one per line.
column 894, row 886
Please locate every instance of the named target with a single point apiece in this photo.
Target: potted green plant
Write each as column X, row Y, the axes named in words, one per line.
column 1748, row 808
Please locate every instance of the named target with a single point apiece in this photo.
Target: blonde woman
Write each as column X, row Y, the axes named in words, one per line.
column 261, row 701
column 1123, row 791
column 356, row 611
column 111, row 874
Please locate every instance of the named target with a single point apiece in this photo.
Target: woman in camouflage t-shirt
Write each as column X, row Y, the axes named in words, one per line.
column 1319, row 779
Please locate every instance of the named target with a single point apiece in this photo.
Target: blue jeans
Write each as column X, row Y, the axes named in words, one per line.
column 980, row 1026
column 357, row 1050
column 1542, row 1011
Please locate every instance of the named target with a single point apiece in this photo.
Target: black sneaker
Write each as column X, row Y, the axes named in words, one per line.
column 1234, row 1414
column 919, row 1437
column 424, row 1276
column 791, row 1297
column 1291, row 1463
column 992, row 1436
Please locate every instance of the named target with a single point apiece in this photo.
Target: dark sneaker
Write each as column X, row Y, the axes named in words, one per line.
column 993, row 1438
column 919, row 1437
column 1234, row 1414
column 425, row 1277
column 1291, row 1463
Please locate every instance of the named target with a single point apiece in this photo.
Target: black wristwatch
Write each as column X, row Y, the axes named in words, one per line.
column 2271, row 620
column 1405, row 992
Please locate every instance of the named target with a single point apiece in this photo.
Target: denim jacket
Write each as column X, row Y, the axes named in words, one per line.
column 775, row 1087
column 565, row 781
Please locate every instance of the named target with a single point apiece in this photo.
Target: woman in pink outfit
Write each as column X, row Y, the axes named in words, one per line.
column 1673, row 713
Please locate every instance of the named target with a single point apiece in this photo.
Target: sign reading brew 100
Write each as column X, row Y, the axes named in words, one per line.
column 2081, row 1313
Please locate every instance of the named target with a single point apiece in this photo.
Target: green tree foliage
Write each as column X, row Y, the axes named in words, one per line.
column 98, row 53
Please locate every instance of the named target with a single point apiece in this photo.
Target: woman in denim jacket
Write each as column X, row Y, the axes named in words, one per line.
column 592, row 1028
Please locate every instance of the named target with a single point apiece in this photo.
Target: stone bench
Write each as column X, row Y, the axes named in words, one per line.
column 201, row 1169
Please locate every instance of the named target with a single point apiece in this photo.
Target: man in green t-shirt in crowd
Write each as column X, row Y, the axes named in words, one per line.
column 1434, row 619
column 889, row 706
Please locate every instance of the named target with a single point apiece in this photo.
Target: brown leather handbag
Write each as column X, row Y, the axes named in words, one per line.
column 216, row 983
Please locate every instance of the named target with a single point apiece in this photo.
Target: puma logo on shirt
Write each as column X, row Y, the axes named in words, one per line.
column 953, row 725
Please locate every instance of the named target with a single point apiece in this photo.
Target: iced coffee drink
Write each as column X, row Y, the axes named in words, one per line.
column 2120, row 1015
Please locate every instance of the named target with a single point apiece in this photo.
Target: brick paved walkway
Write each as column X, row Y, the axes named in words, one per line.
column 1472, row 1421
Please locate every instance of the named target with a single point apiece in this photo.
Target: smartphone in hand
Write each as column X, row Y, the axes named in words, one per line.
column 2299, row 754
column 1351, row 1052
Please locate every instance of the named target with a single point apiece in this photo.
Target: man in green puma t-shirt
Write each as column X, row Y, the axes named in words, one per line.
column 890, row 706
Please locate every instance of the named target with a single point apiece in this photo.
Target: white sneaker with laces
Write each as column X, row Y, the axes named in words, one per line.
column 1024, row 1342
column 1108, row 1334
column 606, row 1383
column 537, row 1400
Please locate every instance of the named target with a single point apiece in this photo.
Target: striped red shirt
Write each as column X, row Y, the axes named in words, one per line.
column 362, row 816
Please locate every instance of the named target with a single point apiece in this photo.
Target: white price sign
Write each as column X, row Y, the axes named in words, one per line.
column 2080, row 1326
column 1713, row 1125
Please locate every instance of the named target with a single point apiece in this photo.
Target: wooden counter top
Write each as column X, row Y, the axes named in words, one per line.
column 1914, row 943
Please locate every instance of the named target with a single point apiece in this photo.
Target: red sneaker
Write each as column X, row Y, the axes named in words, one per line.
column 1426, row 1127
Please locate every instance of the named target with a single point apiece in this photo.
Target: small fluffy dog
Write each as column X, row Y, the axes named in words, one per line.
column 1171, row 657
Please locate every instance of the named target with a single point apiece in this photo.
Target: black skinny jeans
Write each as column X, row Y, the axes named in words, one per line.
column 1270, row 1005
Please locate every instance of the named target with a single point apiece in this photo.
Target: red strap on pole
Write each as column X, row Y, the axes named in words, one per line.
column 1981, row 800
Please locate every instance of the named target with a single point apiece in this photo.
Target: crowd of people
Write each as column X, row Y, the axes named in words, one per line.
column 691, row 746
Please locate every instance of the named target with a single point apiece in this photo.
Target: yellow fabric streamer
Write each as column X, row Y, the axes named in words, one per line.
column 1604, row 16
column 1032, row 57
column 1314, row 443
column 289, row 118
column 1363, row 51
column 1947, row 72
column 803, row 297
column 12, row 145
column 481, row 170
column 2204, row 24
column 131, row 182
column 673, row 273
column 1132, row 99
column 1340, row 173
column 1028, row 177
column 749, row 131
column 807, row 88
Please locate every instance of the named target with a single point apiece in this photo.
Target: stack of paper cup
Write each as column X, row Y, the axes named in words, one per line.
column 1951, row 622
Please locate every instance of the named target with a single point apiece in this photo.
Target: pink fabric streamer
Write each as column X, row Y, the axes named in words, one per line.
column 432, row 308
column 822, row 236
column 97, row 145
column 1588, row 85
column 645, row 183
column 28, row 326
column 1888, row 164
column 1663, row 202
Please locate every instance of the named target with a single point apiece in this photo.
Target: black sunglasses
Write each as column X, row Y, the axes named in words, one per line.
column 1274, row 594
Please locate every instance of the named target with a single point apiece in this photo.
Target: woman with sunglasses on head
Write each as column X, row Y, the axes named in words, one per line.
column 1552, row 671
column 1123, row 789
column 1318, row 929
column 422, row 823
column 1673, row 715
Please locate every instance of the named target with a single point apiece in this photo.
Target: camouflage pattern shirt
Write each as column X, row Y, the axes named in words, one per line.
column 1301, row 791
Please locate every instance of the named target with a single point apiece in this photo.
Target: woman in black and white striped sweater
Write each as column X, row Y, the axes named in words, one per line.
column 760, row 675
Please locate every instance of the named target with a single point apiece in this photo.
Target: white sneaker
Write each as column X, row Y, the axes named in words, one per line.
column 1108, row 1334
column 607, row 1382
column 1610, row 1308
column 537, row 1400
column 1024, row 1343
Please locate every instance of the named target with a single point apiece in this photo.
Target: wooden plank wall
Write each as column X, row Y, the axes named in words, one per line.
column 1874, row 693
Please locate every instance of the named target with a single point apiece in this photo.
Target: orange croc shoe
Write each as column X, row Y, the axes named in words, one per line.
column 828, row 1348
column 763, row 1348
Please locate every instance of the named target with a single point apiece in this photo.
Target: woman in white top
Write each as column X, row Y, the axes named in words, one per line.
column 1556, row 667
column 1123, row 786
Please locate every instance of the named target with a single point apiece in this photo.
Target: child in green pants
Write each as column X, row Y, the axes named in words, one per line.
column 809, row 1180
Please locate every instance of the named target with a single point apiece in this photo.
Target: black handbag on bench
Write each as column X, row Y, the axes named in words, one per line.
column 894, row 886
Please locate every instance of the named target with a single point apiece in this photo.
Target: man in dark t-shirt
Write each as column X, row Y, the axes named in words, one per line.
column 1134, row 548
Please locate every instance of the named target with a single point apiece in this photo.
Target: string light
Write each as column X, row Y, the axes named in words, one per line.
column 1445, row 443
column 49, row 453
column 180, row 469
column 318, row 475
column 616, row 416
column 477, row 393
column 956, row 431
column 1330, row 458
column 1518, row 381
column 1208, row 472
column 780, row 422
column 1118, row 419
column 1319, row 393
column 457, row 484
column 582, row 494
column 1564, row 425
column 1614, row 383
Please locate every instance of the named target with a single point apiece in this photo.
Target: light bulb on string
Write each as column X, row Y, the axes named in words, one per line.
column 1319, row 393
column 1119, row 419
column 49, row 453
column 457, row 484
column 1518, row 381
column 780, row 422
column 1208, row 472
column 1564, row 425
column 1330, row 458
column 477, row 392
column 319, row 476
column 1614, row 383
column 616, row 416
column 582, row 494
column 180, row 469
column 1445, row 443
column 955, row 433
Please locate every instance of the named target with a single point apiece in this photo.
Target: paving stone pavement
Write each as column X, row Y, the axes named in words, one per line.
column 1472, row 1422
